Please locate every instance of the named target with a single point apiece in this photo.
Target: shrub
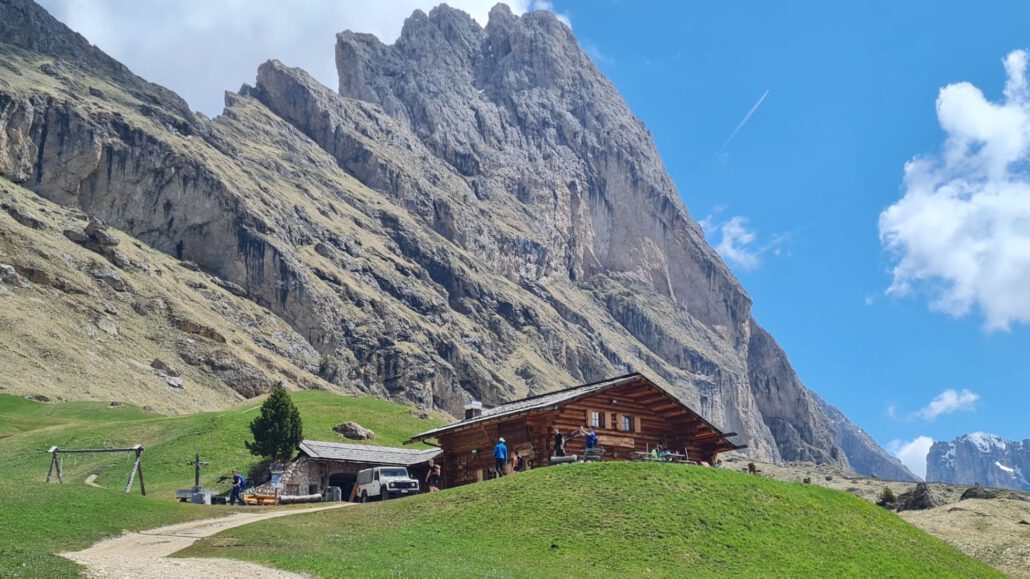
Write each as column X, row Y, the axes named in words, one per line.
column 887, row 497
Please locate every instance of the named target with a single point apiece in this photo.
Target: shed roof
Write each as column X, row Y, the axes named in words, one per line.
column 554, row 399
column 366, row 453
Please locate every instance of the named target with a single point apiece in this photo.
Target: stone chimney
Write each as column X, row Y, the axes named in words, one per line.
column 473, row 409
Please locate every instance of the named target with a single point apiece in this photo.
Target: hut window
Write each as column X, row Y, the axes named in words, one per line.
column 627, row 424
column 596, row 419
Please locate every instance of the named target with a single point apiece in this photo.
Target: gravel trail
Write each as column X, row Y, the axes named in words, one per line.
column 145, row 554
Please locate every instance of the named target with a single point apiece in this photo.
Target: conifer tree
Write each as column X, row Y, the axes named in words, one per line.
column 278, row 430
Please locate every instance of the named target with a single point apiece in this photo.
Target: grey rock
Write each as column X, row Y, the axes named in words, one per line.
column 111, row 278
column 107, row 326
column 189, row 265
column 76, row 235
column 230, row 287
column 159, row 364
column 9, row 275
column 97, row 231
column 354, row 431
column 189, row 326
column 864, row 454
column 920, row 498
column 23, row 216
column 978, row 492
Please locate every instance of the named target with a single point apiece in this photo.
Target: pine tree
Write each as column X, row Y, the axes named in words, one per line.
column 278, row 430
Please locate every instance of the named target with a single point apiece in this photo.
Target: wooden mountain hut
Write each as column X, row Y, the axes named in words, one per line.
column 630, row 414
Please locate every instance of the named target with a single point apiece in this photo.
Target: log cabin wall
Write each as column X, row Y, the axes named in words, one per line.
column 633, row 417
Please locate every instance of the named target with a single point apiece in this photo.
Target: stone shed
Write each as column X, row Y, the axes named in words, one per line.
column 334, row 464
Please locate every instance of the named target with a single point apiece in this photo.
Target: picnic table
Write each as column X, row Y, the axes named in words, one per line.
column 665, row 457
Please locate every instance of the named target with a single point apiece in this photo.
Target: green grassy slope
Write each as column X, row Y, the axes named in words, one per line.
column 611, row 519
column 37, row 520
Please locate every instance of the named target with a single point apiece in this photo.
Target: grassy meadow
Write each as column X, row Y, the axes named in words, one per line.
column 38, row 520
column 610, row 519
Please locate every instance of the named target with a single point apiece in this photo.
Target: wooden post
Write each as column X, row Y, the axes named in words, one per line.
column 142, row 487
column 60, row 469
column 135, row 467
column 53, row 462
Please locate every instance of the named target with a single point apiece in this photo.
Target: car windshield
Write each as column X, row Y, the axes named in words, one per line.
column 394, row 472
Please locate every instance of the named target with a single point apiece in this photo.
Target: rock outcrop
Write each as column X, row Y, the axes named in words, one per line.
column 474, row 214
column 980, row 458
column 919, row 498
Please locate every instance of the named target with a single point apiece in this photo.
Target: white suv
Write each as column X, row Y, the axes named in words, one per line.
column 385, row 482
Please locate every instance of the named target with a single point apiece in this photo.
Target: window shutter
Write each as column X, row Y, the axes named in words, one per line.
column 636, row 424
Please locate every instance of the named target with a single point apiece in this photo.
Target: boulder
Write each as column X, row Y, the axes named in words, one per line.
column 107, row 326
column 9, row 275
column 24, row 217
column 159, row 364
column 978, row 492
column 76, row 235
column 918, row 499
column 230, row 287
column 97, row 231
column 110, row 278
column 354, row 431
column 191, row 327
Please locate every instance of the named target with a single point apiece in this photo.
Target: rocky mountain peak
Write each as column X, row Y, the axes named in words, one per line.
column 475, row 213
column 980, row 458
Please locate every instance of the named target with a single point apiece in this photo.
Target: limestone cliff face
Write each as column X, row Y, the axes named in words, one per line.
column 475, row 214
column 980, row 458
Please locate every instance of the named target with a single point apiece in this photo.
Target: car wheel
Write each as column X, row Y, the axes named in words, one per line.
column 383, row 495
column 363, row 498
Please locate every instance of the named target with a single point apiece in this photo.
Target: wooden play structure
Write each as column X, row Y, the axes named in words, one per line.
column 57, row 463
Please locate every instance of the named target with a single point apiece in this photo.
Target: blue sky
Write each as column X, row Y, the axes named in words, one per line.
column 795, row 199
column 852, row 91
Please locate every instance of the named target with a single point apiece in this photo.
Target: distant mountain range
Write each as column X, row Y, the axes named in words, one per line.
column 982, row 458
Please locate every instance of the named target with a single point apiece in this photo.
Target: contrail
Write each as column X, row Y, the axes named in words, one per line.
column 744, row 121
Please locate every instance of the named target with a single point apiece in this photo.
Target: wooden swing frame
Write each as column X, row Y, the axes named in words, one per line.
column 57, row 464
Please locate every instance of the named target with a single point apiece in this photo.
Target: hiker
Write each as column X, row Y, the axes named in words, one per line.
column 501, row 456
column 433, row 476
column 752, row 469
column 718, row 463
column 591, row 438
column 236, row 495
column 559, row 442
column 518, row 464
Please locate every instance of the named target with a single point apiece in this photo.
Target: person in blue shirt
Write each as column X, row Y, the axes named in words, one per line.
column 591, row 438
column 501, row 456
column 236, row 495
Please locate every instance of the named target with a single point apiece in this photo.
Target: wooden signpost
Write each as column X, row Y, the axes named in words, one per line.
column 57, row 463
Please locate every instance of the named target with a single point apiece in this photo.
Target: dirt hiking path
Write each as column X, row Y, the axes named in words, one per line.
column 145, row 554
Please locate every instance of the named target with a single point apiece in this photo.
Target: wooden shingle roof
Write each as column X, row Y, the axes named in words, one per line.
column 553, row 400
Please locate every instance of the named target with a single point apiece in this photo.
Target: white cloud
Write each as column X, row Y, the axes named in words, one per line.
column 947, row 402
column 549, row 7
column 738, row 243
column 961, row 231
column 892, row 411
column 912, row 453
column 200, row 48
